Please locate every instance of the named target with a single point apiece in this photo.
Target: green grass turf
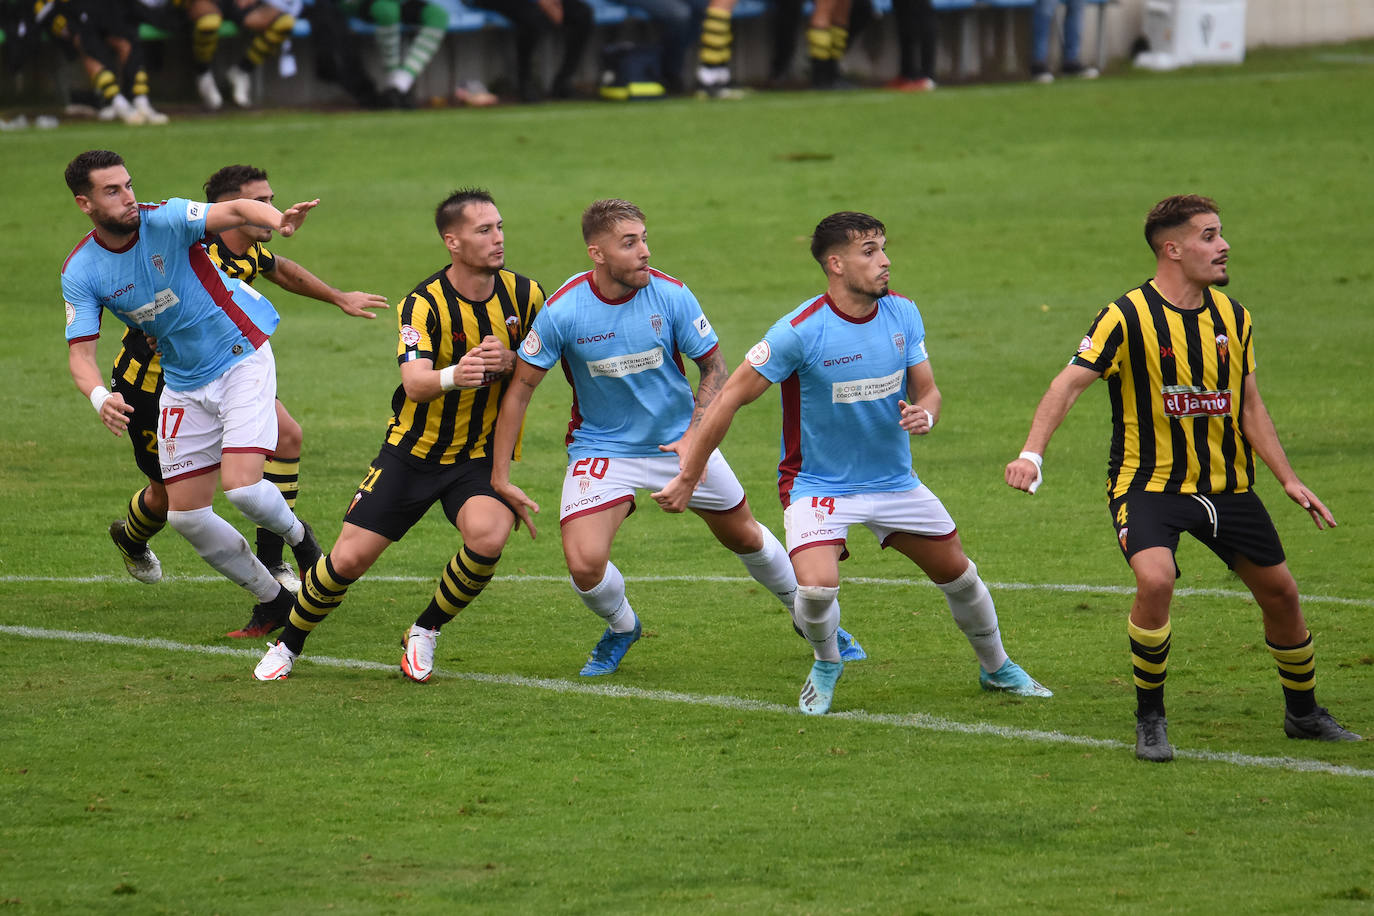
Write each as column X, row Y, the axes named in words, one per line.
column 142, row 777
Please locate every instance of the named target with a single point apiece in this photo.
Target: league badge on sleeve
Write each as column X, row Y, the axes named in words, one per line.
column 532, row 344
column 759, row 353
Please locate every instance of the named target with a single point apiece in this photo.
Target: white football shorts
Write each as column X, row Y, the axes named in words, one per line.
column 236, row 412
column 596, row 484
column 814, row 520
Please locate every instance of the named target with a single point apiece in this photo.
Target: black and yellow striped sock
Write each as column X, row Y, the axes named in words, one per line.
column 1297, row 675
column 818, row 44
column 1149, row 660
column 285, row 475
column 140, row 523
column 322, row 590
column 716, row 38
column 839, row 41
column 463, row 580
column 205, row 39
column 105, row 84
column 138, row 83
column 268, row 42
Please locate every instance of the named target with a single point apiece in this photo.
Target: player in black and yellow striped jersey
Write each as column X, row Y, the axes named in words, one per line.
column 457, row 331
column 1187, row 420
column 137, row 375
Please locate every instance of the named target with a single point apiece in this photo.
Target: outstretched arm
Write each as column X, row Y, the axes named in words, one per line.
column 294, row 278
column 113, row 411
column 509, row 419
column 243, row 211
column 1073, row 380
column 744, row 387
column 1258, row 427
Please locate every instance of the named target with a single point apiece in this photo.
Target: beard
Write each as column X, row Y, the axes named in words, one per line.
column 632, row 279
column 122, row 227
column 875, row 293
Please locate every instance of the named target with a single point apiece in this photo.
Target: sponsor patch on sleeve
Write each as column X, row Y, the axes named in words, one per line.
column 195, row 210
column 702, row 325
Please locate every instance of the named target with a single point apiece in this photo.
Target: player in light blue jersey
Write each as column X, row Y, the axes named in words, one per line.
column 145, row 265
column 621, row 331
column 856, row 385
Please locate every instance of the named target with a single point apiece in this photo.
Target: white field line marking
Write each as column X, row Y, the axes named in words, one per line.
column 1070, row 587
column 557, row 685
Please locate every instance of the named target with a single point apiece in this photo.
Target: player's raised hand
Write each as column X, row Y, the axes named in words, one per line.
column 292, row 219
column 360, row 305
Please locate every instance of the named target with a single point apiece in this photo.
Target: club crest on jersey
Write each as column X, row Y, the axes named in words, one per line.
column 656, row 322
column 159, row 264
column 899, row 341
column 170, row 446
column 512, row 321
column 1223, row 347
column 758, row 354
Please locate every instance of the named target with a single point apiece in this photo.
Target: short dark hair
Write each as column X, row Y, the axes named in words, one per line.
column 602, row 215
column 450, row 211
column 230, row 179
column 1172, row 212
column 841, row 228
column 79, row 170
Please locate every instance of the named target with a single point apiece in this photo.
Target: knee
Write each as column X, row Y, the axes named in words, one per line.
column 586, row 573
column 385, row 12
column 488, row 539
column 290, row 436
column 434, row 16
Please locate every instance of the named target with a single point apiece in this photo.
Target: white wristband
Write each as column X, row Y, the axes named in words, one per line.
column 1039, row 462
column 446, row 380
column 99, row 395
column 930, row 418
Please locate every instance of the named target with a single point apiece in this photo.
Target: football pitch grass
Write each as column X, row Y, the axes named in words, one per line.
column 143, row 771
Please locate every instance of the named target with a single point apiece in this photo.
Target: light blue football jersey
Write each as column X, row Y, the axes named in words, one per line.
column 164, row 284
column 840, row 382
column 624, row 359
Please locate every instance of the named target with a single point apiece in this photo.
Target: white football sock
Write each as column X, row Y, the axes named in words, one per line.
column 971, row 604
column 818, row 617
column 220, row 545
column 772, row 568
column 607, row 600
column 263, row 505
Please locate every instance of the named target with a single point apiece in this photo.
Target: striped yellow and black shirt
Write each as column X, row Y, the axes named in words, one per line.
column 439, row 325
column 137, row 363
column 250, row 265
column 1176, row 380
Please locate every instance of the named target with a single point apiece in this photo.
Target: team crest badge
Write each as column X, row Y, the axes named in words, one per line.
column 170, row 445
column 512, row 321
column 656, row 322
column 584, row 484
column 1223, row 347
column 899, row 340
column 159, row 264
